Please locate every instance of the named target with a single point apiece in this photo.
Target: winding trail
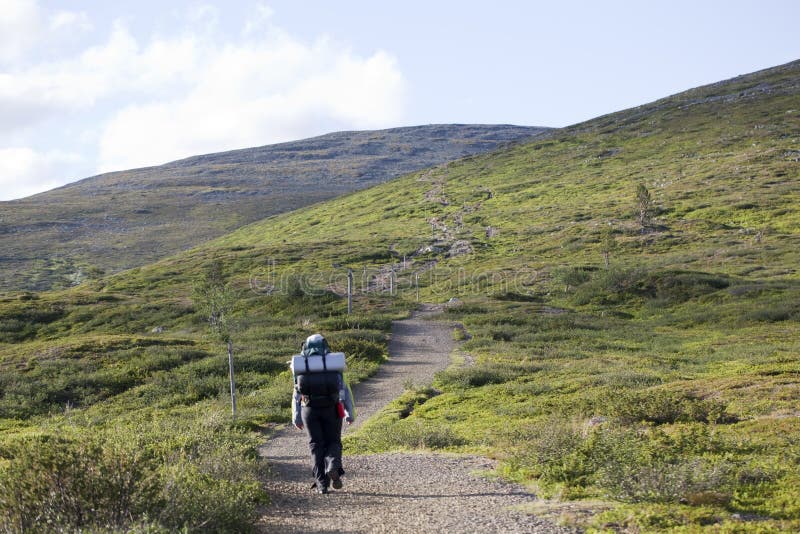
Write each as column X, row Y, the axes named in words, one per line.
column 394, row 493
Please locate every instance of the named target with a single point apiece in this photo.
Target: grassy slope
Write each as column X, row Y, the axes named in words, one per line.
column 120, row 220
column 675, row 368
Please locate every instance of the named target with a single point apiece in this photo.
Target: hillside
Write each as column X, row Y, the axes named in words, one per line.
column 124, row 219
column 641, row 372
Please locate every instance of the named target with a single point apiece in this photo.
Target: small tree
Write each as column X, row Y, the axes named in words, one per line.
column 607, row 244
column 217, row 298
column 645, row 204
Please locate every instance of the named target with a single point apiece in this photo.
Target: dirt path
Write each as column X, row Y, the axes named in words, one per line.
column 394, row 492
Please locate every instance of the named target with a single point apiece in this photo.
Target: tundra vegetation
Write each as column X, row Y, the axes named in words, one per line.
column 126, row 219
column 642, row 380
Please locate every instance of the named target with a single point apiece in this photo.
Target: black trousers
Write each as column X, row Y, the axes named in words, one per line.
column 324, row 429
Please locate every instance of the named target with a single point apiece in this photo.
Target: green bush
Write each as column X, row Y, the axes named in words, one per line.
column 557, row 454
column 49, row 483
column 774, row 313
column 611, row 286
column 779, row 499
column 640, row 467
column 466, row 309
column 407, row 433
column 373, row 322
column 515, row 296
column 661, row 407
column 484, row 374
column 627, row 464
column 680, row 286
column 571, row 277
column 299, row 297
column 357, row 349
column 617, row 285
column 165, row 478
column 397, row 427
column 22, row 321
column 198, row 501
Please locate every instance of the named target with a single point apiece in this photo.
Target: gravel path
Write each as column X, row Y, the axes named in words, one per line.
column 400, row 493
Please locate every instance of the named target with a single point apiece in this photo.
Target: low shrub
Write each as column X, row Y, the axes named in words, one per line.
column 556, row 453
column 396, row 427
column 515, row 296
column 610, row 286
column 49, row 483
column 680, row 286
column 661, row 407
column 406, row 433
column 669, row 518
column 775, row 313
column 571, row 277
column 460, row 334
column 357, row 322
column 484, row 374
column 357, row 349
column 197, row 501
column 23, row 320
column 191, row 479
column 637, row 468
column 466, row 309
column 629, row 379
column 690, row 464
column 779, row 500
column 615, row 286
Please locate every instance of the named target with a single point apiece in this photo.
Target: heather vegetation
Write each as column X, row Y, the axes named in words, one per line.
column 115, row 414
column 628, row 292
column 121, row 220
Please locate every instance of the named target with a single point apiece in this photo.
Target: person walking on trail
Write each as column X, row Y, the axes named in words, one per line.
column 321, row 399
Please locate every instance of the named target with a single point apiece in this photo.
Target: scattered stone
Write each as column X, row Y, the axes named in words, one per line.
column 597, row 420
column 793, row 155
column 157, row 330
column 459, row 248
column 608, row 153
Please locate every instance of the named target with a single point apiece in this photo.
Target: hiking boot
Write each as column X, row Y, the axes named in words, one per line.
column 336, row 480
column 320, row 488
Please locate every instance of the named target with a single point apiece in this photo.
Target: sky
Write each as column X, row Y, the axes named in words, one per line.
column 88, row 87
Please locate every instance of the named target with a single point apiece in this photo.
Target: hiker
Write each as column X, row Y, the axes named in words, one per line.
column 321, row 400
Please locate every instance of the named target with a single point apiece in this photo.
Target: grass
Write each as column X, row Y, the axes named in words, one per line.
column 664, row 385
column 679, row 425
column 131, row 426
column 125, row 219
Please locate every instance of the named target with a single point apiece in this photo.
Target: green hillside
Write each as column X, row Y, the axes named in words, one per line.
column 630, row 300
column 120, row 220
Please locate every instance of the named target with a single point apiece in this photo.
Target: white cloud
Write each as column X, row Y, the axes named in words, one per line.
column 70, row 21
column 24, row 172
column 148, row 101
column 25, row 26
column 119, row 68
column 254, row 94
column 19, row 26
column 203, row 15
column 259, row 20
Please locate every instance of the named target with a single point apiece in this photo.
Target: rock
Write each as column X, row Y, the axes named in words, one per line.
column 157, row 330
column 597, row 420
column 460, row 247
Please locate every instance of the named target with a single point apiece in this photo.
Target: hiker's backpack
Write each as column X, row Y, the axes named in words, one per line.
column 318, row 377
